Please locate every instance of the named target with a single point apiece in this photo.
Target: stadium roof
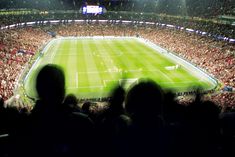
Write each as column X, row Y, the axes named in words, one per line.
column 205, row 8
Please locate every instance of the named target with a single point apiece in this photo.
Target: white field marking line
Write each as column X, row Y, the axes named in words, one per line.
column 129, row 79
column 104, row 81
column 114, row 71
column 177, row 87
column 187, row 87
column 128, row 82
column 105, row 84
column 138, row 70
column 35, row 64
column 4, row 135
column 76, row 77
column 165, row 75
column 73, row 54
column 108, row 59
column 63, row 49
column 54, row 52
column 184, row 82
column 110, row 71
column 84, row 87
column 102, row 54
column 90, row 63
column 101, row 86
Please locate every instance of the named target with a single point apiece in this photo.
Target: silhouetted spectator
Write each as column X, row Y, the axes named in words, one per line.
column 55, row 131
column 86, row 107
column 3, row 120
column 71, row 103
column 174, row 116
column 144, row 105
column 227, row 123
column 203, row 129
column 115, row 124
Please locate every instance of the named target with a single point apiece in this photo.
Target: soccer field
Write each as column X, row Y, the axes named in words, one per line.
column 93, row 66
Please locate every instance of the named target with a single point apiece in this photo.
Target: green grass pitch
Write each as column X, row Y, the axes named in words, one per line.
column 94, row 66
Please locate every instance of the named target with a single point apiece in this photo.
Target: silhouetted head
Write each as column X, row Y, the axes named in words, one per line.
column 204, row 114
column 1, row 103
column 117, row 99
column 71, row 99
column 86, row 107
column 145, row 98
column 50, row 84
column 70, row 102
column 209, row 113
column 169, row 101
column 169, row 96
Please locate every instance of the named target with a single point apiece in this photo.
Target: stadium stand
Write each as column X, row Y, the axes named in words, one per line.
column 17, row 50
column 218, row 56
column 127, row 123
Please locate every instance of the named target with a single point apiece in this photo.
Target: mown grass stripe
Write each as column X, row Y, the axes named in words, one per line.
column 177, row 76
column 130, row 57
column 91, row 66
column 108, row 57
column 82, row 67
column 152, row 62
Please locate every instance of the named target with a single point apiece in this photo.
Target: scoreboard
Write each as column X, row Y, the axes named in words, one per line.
column 92, row 9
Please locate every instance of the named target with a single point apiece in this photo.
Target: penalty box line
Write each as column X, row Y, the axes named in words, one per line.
column 118, row 82
column 86, row 87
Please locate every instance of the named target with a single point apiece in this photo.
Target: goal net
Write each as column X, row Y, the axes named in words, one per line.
column 126, row 83
column 172, row 67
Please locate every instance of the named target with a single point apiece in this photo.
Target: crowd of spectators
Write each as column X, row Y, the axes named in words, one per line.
column 213, row 56
column 198, row 8
column 17, row 47
column 214, row 26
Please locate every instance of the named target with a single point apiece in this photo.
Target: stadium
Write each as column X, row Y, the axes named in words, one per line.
column 118, row 77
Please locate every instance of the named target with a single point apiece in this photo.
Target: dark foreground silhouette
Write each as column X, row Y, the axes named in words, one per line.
column 144, row 121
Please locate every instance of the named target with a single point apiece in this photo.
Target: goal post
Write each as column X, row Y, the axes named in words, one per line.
column 125, row 83
column 108, row 83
